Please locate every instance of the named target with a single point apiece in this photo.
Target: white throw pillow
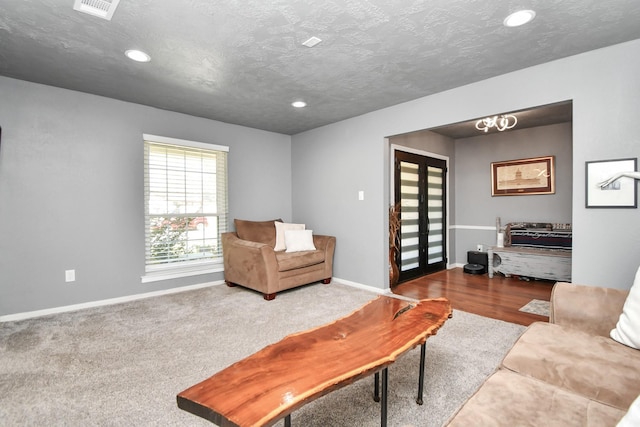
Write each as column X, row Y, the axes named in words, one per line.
column 281, row 227
column 631, row 418
column 627, row 331
column 299, row 240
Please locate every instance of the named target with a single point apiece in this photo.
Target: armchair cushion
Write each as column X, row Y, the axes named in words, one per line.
column 257, row 231
column 293, row 260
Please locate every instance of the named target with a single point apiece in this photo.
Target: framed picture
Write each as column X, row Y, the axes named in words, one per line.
column 612, row 183
column 523, row 177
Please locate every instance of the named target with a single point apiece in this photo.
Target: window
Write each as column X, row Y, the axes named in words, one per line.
column 185, row 190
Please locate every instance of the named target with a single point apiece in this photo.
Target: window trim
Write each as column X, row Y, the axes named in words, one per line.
column 184, row 142
column 158, row 272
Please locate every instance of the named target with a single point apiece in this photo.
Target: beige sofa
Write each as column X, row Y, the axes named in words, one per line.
column 251, row 261
column 567, row 372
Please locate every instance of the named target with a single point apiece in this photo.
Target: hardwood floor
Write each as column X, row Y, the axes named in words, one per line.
column 498, row 298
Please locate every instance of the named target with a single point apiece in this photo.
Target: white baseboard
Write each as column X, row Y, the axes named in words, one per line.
column 100, row 303
column 386, row 291
column 473, row 227
column 361, row 286
column 128, row 298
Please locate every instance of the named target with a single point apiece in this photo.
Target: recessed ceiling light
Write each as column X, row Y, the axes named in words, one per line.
column 299, row 104
column 137, row 55
column 518, row 18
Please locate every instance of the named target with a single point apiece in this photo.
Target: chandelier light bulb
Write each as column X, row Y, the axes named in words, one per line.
column 501, row 123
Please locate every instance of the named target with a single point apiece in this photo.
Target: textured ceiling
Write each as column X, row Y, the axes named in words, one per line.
column 242, row 62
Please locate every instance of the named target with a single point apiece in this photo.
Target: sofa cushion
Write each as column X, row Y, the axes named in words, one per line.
column 627, row 330
column 281, row 228
column 292, row 260
column 591, row 309
column 593, row 366
column 257, row 231
column 508, row 399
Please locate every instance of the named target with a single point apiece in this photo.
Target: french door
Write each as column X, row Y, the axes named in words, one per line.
column 420, row 190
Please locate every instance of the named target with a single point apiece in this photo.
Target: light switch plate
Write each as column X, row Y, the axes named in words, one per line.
column 70, row 275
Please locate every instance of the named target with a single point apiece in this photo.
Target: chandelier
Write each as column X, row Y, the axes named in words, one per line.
column 502, row 122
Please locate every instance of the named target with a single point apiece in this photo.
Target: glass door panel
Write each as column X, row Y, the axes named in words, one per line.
column 420, row 191
column 409, row 217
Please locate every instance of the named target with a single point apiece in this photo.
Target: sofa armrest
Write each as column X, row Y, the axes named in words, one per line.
column 591, row 309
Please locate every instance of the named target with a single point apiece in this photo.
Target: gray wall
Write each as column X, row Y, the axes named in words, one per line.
column 71, row 191
column 330, row 163
column 473, row 183
column 71, row 177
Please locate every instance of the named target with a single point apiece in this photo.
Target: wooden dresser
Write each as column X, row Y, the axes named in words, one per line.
column 530, row 262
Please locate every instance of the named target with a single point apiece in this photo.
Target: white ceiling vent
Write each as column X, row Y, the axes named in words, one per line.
column 311, row 42
column 101, row 8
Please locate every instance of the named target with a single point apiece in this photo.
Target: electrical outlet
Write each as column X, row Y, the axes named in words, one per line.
column 69, row 276
column 479, row 248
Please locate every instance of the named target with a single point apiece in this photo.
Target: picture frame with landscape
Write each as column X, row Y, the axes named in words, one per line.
column 523, row 176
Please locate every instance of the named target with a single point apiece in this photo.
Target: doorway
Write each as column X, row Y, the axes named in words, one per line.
column 420, row 192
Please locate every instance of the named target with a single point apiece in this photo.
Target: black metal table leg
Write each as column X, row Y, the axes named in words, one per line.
column 376, row 387
column 383, row 405
column 287, row 421
column 423, row 349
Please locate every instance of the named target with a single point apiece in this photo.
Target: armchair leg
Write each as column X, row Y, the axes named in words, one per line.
column 326, row 281
column 269, row 297
column 229, row 284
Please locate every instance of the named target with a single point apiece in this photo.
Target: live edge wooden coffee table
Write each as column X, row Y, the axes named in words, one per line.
column 272, row 383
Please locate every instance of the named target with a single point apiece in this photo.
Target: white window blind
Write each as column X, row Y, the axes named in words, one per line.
column 185, row 189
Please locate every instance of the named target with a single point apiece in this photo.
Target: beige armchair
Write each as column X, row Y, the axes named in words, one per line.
column 251, row 261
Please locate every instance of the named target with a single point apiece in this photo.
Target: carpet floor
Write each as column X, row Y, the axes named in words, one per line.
column 123, row 365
